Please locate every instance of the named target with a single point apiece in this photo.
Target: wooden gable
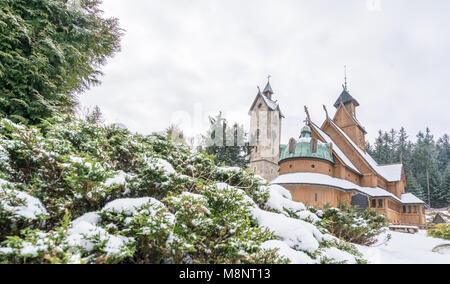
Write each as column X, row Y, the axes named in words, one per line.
column 348, row 123
column 347, row 148
column 336, row 157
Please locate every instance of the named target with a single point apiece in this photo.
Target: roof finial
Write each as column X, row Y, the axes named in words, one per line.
column 326, row 111
column 308, row 118
column 268, row 89
column 345, row 77
column 259, row 90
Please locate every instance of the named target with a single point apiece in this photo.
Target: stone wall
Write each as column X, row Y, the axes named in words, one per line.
column 265, row 129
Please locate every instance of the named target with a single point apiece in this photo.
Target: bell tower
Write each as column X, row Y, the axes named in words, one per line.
column 265, row 134
column 345, row 117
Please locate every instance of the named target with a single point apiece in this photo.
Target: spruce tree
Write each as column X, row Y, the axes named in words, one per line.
column 443, row 148
column 392, row 146
column 414, row 187
column 51, row 50
column 226, row 143
column 426, row 162
column 403, row 146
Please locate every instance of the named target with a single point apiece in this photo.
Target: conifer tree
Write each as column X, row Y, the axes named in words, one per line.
column 51, row 50
column 227, row 144
column 426, row 162
column 414, row 187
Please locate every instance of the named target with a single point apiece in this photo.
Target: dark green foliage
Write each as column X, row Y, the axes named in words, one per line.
column 50, row 50
column 74, row 167
column 352, row 225
column 227, row 144
column 426, row 162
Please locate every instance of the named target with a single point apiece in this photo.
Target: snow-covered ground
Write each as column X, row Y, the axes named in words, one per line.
column 406, row 248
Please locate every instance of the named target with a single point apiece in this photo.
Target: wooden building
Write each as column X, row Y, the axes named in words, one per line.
column 329, row 164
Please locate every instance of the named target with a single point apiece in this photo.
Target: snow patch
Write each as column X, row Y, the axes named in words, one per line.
column 31, row 209
column 339, row 255
column 405, row 248
column 82, row 234
column 281, row 198
column 92, row 218
column 295, row 233
column 168, row 168
column 130, row 205
column 120, row 178
column 294, row 256
column 228, row 169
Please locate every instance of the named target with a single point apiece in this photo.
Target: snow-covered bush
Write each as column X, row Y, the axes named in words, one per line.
column 75, row 192
column 348, row 223
column 18, row 210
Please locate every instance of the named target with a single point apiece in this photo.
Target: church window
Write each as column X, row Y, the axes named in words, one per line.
column 290, row 166
column 257, row 135
column 415, row 209
column 313, row 166
column 313, row 145
column 315, row 197
column 260, row 105
column 409, row 208
column 404, row 209
column 374, row 203
column 291, row 145
column 380, row 203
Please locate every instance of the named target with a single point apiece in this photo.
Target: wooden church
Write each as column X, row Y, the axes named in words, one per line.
column 329, row 164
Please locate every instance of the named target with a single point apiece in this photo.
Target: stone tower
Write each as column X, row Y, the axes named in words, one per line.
column 265, row 134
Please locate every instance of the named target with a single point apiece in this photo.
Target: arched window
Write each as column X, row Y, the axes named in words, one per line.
column 313, row 145
column 291, row 145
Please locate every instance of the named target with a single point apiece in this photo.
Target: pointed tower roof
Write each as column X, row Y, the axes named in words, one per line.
column 268, row 88
column 344, row 98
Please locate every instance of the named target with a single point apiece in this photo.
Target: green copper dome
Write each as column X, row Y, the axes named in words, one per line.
column 306, row 131
column 303, row 149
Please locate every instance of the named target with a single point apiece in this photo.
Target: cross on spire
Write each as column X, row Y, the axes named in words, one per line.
column 345, row 77
column 268, row 89
column 308, row 118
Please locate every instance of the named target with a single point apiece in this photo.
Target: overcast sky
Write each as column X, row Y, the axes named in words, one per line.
column 183, row 60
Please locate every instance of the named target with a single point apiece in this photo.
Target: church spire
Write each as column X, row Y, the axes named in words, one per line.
column 345, row 98
column 268, row 92
column 345, row 77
